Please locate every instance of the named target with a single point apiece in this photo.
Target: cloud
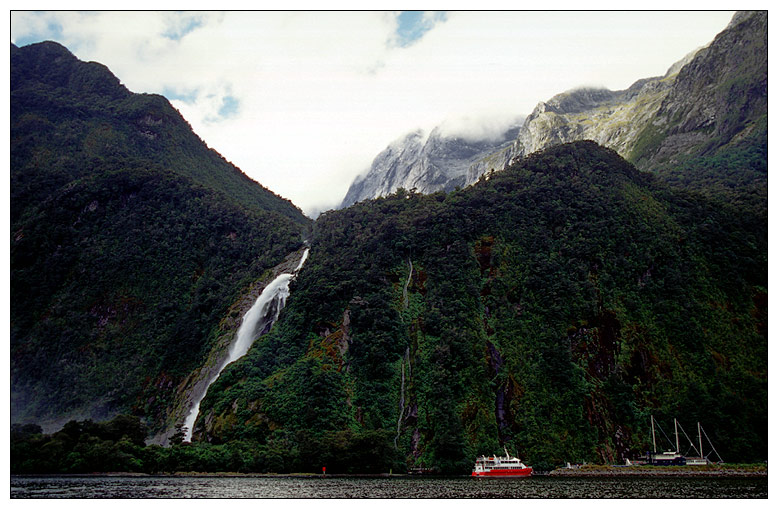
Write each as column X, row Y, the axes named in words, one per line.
column 476, row 128
column 412, row 25
column 180, row 24
column 303, row 101
column 36, row 27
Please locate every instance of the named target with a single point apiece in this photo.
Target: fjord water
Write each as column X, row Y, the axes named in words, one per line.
column 257, row 320
column 387, row 487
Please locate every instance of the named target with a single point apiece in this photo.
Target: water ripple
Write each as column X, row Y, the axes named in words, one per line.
column 395, row 487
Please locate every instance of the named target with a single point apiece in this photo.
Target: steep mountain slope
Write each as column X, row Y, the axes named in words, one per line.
column 427, row 164
column 710, row 134
column 551, row 308
column 130, row 241
column 702, row 126
column 81, row 110
column 612, row 119
column 728, row 83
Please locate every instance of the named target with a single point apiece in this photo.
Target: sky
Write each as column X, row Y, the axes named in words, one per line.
column 303, row 101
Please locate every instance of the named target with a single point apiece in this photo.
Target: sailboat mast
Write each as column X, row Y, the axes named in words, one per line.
column 700, row 435
column 653, row 433
column 677, row 447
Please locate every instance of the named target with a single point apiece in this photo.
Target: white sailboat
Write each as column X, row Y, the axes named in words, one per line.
column 666, row 457
column 675, row 457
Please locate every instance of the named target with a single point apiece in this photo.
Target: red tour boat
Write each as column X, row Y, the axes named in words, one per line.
column 500, row 466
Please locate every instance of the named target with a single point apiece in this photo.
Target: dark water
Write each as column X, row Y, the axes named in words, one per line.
column 396, row 487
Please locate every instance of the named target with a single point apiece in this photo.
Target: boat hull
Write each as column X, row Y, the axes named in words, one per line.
column 504, row 472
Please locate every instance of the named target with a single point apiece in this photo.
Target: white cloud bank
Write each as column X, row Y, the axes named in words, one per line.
column 302, row 101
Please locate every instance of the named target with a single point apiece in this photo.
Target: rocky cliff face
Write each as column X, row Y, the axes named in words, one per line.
column 612, row 119
column 712, row 97
column 428, row 164
column 397, row 166
column 719, row 98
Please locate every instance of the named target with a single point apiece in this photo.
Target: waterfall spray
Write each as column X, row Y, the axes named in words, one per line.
column 257, row 321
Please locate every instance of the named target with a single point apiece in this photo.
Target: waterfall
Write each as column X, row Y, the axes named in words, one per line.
column 402, row 392
column 405, row 288
column 257, row 321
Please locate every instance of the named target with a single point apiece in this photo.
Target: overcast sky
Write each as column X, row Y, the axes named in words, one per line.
column 303, row 101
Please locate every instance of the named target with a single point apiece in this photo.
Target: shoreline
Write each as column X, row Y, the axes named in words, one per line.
column 584, row 471
column 666, row 471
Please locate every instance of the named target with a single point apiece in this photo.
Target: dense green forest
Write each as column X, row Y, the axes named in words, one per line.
column 130, row 239
column 552, row 307
column 118, row 445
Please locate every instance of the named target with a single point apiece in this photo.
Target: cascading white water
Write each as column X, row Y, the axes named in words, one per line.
column 256, row 321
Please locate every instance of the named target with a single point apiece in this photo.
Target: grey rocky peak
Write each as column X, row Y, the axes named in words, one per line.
column 739, row 17
column 686, row 111
column 426, row 164
column 719, row 97
column 610, row 118
column 390, row 169
column 673, row 70
column 683, row 112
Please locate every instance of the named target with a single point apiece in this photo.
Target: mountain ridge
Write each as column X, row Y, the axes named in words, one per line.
column 671, row 125
column 130, row 240
column 149, row 123
column 663, row 122
column 426, row 163
column 550, row 308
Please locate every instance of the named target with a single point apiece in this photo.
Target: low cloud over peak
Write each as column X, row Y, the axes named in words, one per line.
column 303, row 101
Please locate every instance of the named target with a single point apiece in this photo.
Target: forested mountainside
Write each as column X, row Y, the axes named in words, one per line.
column 130, row 240
column 550, row 308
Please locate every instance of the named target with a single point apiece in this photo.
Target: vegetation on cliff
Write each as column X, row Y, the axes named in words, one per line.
column 129, row 241
column 710, row 133
column 83, row 447
column 551, row 308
